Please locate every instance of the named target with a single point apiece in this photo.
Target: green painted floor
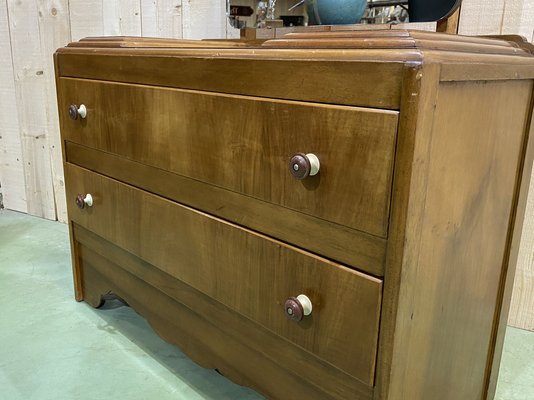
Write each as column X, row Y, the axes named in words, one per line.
column 53, row 348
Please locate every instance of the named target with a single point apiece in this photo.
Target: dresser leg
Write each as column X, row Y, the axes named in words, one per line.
column 95, row 286
column 94, row 298
column 77, row 279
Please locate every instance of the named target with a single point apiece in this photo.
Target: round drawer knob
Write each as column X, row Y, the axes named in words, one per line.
column 303, row 165
column 298, row 307
column 75, row 111
column 82, row 201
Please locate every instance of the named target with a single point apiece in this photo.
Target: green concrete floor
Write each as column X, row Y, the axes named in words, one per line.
column 53, row 348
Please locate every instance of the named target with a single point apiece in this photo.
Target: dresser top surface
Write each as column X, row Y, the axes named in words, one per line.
column 383, row 40
column 357, row 68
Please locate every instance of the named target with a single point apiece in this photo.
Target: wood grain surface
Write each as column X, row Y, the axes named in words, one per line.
column 167, row 164
column 337, row 242
column 140, row 42
column 417, row 105
column 247, row 272
column 336, row 82
column 456, row 239
column 245, row 144
column 109, row 261
column 396, row 39
column 265, row 345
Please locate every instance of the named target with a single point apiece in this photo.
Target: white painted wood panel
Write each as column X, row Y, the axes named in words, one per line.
column 104, row 18
column 11, row 162
column 161, row 18
column 54, row 32
column 522, row 308
column 122, row 17
column 518, row 18
column 204, row 19
column 86, row 18
column 481, row 17
column 29, row 64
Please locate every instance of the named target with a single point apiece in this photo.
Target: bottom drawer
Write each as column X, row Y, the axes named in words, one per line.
column 245, row 271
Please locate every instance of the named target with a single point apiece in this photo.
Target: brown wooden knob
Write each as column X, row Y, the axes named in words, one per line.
column 82, row 201
column 75, row 111
column 293, row 308
column 303, row 165
column 297, row 307
column 79, row 201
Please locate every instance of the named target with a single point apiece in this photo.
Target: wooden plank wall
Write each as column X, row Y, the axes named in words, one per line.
column 482, row 17
column 31, row 176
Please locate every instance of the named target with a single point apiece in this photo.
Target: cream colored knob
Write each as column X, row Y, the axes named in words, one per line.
column 75, row 111
column 88, row 200
column 298, row 307
column 82, row 111
column 303, row 165
column 307, row 306
column 82, row 201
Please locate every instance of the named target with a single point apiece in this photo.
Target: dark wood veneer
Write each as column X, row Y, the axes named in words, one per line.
column 405, row 242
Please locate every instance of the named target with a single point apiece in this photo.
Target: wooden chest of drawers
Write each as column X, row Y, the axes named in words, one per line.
column 330, row 215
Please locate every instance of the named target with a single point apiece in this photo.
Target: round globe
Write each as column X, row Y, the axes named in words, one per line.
column 335, row 12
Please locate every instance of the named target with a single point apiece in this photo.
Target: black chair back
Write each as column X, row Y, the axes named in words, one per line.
column 431, row 10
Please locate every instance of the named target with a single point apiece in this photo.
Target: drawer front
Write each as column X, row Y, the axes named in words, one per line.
column 245, row 144
column 247, row 272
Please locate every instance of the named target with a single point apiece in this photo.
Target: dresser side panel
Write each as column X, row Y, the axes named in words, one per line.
column 420, row 84
column 76, row 274
column 462, row 195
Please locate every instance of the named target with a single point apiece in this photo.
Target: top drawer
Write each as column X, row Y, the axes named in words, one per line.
column 244, row 144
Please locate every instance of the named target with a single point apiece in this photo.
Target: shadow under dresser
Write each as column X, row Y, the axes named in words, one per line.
column 328, row 215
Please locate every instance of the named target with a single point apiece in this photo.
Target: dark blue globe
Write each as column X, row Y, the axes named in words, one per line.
column 335, row 12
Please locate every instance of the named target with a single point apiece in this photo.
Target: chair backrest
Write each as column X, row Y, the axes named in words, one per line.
column 431, row 10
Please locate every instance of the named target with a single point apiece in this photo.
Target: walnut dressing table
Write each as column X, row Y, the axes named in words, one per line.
column 329, row 215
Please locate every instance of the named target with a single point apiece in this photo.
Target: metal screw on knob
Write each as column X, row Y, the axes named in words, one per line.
column 75, row 111
column 298, row 307
column 303, row 165
column 82, row 201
